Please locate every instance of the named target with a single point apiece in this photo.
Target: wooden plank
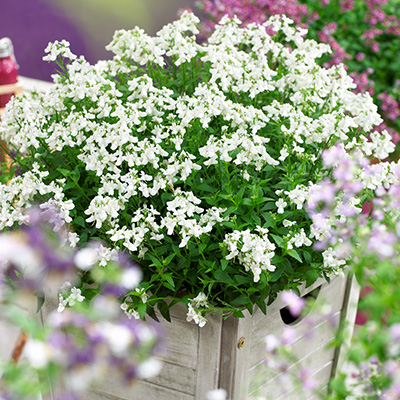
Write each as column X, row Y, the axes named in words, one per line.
column 209, row 353
column 30, row 84
column 182, row 342
column 173, row 377
column 139, row 391
column 306, row 340
column 243, row 356
column 181, row 379
column 332, row 293
column 322, row 375
column 301, row 350
column 235, row 357
column 14, row 88
column 272, row 388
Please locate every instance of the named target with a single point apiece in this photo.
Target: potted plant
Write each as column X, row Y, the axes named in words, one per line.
column 198, row 160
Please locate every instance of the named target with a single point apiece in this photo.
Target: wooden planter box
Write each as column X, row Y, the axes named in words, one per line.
column 203, row 359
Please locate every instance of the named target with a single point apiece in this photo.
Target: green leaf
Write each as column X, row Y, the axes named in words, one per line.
column 268, row 206
column 248, row 202
column 243, row 280
column 262, row 305
column 293, row 253
column 169, row 279
column 142, row 310
column 269, row 220
column 150, row 311
column 64, row 172
column 311, row 277
column 241, row 300
column 256, row 219
column 239, row 195
column 167, row 260
column 238, row 314
column 206, row 188
column 230, row 211
column 164, row 310
column 307, row 257
column 224, row 264
column 277, row 239
column 156, row 261
column 79, row 221
column 222, row 276
column 168, row 286
column 277, row 273
column 40, row 301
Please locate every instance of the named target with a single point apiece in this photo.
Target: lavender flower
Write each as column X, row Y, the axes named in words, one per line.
column 294, row 302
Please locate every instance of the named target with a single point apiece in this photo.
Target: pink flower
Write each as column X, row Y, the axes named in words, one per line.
column 293, row 302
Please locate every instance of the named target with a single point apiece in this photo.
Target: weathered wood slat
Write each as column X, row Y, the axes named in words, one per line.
column 141, row 391
column 276, row 387
column 209, row 353
column 185, row 350
column 272, row 323
column 202, row 359
column 321, row 376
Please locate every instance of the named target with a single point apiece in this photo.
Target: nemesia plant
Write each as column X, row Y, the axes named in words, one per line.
column 364, row 35
column 196, row 158
column 77, row 347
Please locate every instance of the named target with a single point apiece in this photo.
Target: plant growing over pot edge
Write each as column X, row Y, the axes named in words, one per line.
column 197, row 159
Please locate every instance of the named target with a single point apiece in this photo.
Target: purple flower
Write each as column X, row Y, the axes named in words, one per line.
column 293, row 302
column 381, row 242
column 306, row 379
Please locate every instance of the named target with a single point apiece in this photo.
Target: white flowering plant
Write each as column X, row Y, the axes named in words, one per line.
column 197, row 158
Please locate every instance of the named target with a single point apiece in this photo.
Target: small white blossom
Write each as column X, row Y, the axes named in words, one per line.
column 281, row 204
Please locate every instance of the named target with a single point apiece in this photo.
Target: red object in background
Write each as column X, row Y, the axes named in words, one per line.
column 8, row 68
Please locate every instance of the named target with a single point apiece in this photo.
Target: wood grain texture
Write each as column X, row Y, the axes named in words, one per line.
column 202, row 359
column 209, row 353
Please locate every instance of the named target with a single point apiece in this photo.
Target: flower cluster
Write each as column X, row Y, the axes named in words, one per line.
column 363, row 35
column 198, row 159
column 369, row 242
column 254, row 251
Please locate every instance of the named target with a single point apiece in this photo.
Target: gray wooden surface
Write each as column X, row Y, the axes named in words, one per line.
column 202, row 359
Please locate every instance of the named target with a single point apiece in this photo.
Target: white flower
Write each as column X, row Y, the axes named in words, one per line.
column 286, row 223
column 218, row 394
column 56, row 49
column 281, row 204
column 75, row 295
column 253, row 251
column 130, row 313
column 200, row 300
column 86, row 258
column 298, row 195
column 331, row 260
column 284, row 154
column 38, row 353
column 196, row 316
column 119, row 337
column 149, row 368
column 131, row 278
column 299, row 239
